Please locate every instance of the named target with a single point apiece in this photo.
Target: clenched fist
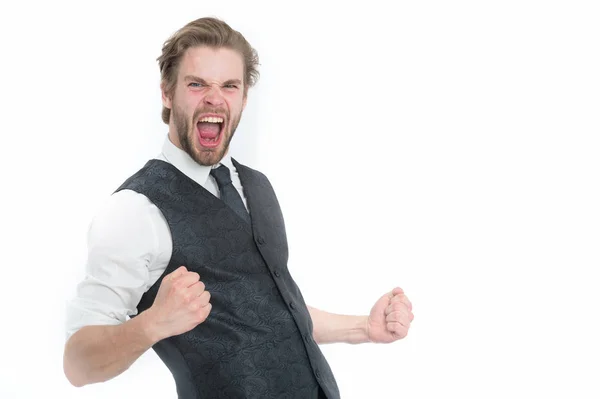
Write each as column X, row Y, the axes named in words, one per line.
column 180, row 304
column 390, row 317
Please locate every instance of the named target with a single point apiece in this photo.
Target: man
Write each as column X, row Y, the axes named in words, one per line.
column 192, row 247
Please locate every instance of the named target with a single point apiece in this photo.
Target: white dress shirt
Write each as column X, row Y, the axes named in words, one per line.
column 129, row 247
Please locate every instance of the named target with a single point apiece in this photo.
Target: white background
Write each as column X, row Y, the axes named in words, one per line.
column 450, row 148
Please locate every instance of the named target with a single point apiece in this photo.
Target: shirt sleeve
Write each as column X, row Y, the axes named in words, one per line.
column 128, row 248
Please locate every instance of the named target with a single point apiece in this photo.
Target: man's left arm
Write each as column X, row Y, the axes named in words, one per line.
column 388, row 321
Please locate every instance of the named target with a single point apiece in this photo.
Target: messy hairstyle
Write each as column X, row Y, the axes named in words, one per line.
column 209, row 32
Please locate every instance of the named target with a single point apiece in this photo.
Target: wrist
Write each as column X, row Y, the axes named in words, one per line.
column 149, row 327
column 366, row 329
column 363, row 328
column 356, row 330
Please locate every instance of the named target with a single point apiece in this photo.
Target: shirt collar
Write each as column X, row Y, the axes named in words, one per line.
column 182, row 161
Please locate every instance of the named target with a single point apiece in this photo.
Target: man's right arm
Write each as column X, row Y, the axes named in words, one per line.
column 99, row 353
column 129, row 246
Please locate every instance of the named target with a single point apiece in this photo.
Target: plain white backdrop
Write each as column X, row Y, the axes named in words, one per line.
column 450, row 148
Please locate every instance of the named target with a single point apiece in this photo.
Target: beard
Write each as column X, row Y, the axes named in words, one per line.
column 186, row 132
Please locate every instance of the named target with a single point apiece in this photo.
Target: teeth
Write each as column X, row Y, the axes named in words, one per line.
column 211, row 119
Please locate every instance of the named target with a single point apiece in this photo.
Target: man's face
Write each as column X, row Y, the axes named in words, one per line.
column 207, row 102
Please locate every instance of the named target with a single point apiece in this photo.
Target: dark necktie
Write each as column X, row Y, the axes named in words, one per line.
column 229, row 194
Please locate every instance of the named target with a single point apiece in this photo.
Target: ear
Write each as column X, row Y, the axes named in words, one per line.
column 166, row 98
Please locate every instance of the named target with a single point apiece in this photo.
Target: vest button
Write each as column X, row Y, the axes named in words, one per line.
column 318, row 374
column 277, row 274
column 261, row 240
column 292, row 305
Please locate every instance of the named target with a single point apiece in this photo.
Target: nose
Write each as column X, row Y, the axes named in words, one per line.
column 214, row 97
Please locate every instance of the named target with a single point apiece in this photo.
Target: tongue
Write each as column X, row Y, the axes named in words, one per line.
column 208, row 130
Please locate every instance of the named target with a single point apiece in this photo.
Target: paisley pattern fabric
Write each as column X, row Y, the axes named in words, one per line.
column 257, row 341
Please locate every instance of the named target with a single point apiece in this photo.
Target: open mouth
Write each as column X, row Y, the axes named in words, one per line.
column 210, row 129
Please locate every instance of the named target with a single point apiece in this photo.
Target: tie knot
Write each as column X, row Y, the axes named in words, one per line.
column 221, row 175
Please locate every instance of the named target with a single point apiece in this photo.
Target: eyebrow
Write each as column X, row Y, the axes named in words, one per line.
column 197, row 79
column 233, row 82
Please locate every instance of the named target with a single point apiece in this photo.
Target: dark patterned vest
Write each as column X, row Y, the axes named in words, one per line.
column 257, row 341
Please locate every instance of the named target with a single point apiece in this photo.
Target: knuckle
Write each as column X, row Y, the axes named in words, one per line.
column 202, row 314
column 401, row 314
column 178, row 284
column 183, row 276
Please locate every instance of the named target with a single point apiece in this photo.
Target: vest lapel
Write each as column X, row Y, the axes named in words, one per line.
column 204, row 192
column 265, row 214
